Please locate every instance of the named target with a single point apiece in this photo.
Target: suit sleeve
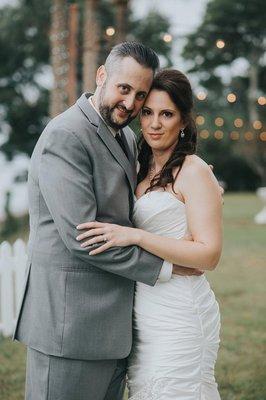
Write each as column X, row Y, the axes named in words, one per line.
column 67, row 185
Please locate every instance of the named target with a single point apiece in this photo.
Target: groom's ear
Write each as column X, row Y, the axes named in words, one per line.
column 101, row 76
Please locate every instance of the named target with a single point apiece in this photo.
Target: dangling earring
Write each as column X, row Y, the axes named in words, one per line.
column 182, row 133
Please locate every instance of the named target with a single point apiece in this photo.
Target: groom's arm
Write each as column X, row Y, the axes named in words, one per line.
column 66, row 183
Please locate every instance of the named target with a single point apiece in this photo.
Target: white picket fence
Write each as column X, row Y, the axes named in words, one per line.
column 12, row 274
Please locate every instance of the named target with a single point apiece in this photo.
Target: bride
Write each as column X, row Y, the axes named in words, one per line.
column 176, row 323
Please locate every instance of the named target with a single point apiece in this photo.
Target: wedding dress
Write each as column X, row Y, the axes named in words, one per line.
column 176, row 323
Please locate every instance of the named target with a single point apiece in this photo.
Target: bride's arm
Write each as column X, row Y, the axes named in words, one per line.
column 204, row 214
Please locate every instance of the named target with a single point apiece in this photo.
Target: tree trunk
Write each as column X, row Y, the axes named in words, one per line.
column 121, row 21
column 253, row 88
column 59, row 56
column 91, row 37
column 73, row 54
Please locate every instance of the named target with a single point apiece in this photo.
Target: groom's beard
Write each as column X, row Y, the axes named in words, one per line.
column 108, row 113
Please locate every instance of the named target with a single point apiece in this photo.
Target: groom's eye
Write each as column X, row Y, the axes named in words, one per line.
column 124, row 89
column 141, row 96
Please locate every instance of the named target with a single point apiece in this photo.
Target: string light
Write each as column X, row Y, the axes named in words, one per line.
column 234, row 135
column 238, row 122
column 167, row 38
column 218, row 135
column 220, row 44
column 231, row 97
column 249, row 135
column 110, row 31
column 219, row 121
column 263, row 136
column 204, row 134
column 202, row 95
column 257, row 125
column 200, row 120
column 262, row 100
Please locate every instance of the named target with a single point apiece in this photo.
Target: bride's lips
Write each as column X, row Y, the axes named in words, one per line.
column 155, row 136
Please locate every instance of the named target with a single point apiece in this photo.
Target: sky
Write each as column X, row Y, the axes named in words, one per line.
column 184, row 16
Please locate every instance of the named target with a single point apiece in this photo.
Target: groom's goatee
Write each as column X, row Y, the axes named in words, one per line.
column 106, row 112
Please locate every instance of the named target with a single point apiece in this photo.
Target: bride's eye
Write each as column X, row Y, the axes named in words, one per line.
column 145, row 112
column 167, row 114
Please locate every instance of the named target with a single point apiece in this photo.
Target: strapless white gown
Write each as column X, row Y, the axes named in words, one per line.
column 176, row 323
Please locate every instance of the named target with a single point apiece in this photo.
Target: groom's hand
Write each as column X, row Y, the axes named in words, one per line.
column 185, row 271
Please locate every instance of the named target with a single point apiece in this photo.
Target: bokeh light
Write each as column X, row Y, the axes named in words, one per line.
column 257, row 125
column 110, row 31
column 249, row 135
column 204, row 134
column 263, row 136
column 219, row 121
column 200, row 120
column 231, row 97
column 167, row 38
column 238, row 122
column 220, row 43
column 262, row 100
column 202, row 95
column 234, row 135
column 218, row 135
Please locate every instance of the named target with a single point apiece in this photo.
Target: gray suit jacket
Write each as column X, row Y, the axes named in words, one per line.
column 76, row 305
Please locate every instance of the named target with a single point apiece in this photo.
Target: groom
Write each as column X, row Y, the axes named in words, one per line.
column 76, row 313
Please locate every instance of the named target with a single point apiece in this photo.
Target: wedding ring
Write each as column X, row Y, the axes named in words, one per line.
column 105, row 239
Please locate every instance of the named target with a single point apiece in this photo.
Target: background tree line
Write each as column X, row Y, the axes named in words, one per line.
column 25, row 101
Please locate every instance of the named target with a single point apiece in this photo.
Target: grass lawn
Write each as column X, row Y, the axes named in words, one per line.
column 239, row 283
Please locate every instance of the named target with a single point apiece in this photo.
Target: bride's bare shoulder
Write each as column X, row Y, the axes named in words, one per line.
column 197, row 173
column 194, row 161
column 194, row 171
column 193, row 164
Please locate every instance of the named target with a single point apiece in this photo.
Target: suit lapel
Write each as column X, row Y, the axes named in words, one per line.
column 117, row 152
column 131, row 159
column 108, row 139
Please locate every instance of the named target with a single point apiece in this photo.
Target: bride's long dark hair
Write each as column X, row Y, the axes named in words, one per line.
column 176, row 84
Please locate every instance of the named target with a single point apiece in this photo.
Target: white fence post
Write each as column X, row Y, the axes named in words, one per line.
column 12, row 271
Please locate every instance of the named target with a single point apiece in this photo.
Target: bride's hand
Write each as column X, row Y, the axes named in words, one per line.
column 111, row 234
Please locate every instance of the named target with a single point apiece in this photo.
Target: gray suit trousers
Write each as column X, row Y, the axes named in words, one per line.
column 57, row 378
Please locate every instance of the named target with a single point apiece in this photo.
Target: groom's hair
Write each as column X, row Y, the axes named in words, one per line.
column 144, row 55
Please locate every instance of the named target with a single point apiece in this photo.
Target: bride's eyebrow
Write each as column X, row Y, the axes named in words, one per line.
column 168, row 110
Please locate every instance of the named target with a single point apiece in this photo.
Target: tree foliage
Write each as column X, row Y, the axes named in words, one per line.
column 25, row 51
column 24, row 47
column 241, row 26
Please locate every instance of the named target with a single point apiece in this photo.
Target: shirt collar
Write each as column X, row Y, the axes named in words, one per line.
column 112, row 130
